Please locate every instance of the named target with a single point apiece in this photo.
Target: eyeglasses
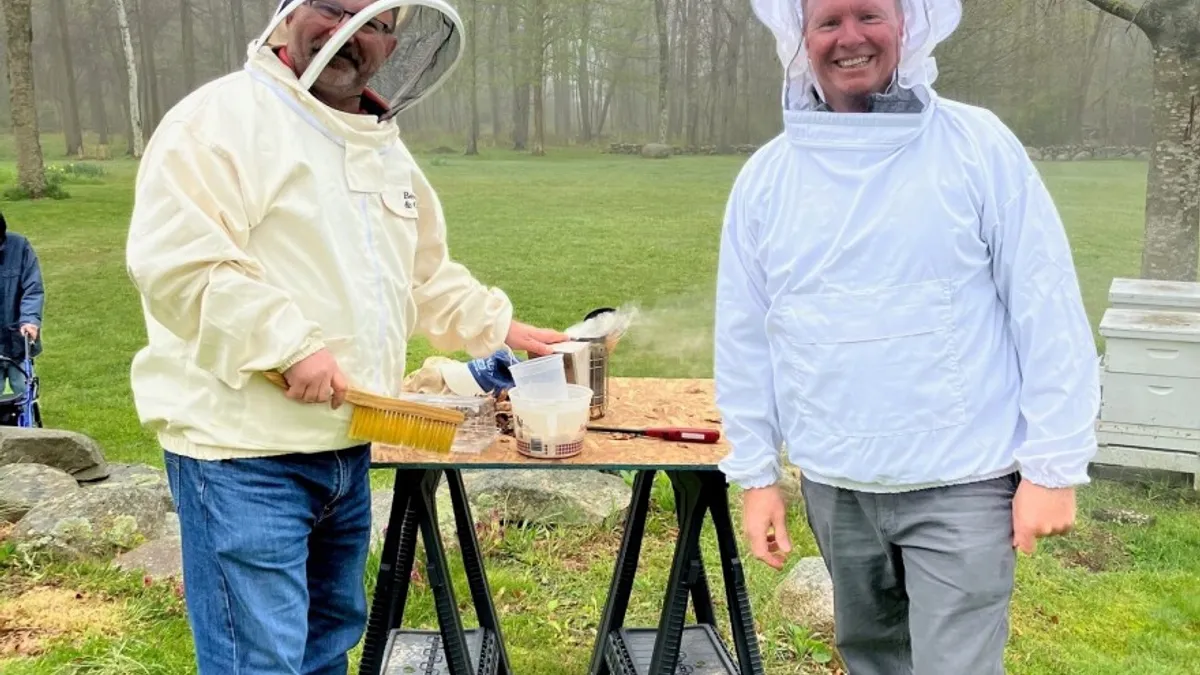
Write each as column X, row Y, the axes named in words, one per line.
column 335, row 13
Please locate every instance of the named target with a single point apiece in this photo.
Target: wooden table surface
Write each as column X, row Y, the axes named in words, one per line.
column 633, row 402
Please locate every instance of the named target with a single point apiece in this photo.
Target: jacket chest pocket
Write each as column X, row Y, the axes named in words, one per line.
column 875, row 363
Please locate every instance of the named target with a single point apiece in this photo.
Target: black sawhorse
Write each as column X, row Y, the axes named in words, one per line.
column 618, row 650
column 450, row 650
column 675, row 647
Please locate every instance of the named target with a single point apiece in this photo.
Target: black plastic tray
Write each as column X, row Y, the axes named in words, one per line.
column 420, row 652
column 701, row 652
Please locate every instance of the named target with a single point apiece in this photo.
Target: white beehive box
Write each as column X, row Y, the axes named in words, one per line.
column 1152, row 368
column 1154, row 295
column 1150, row 399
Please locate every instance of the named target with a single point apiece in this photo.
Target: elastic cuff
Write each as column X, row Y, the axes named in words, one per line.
column 1055, row 479
column 311, row 346
column 750, row 480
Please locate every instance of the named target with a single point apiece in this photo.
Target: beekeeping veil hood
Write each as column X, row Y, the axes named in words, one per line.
column 429, row 41
column 926, row 23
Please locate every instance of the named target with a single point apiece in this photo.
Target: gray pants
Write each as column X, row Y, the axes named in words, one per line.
column 921, row 580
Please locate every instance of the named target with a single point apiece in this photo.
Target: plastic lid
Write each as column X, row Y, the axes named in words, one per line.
column 1180, row 294
column 1143, row 324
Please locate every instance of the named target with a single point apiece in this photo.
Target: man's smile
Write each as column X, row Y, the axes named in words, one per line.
column 854, row 62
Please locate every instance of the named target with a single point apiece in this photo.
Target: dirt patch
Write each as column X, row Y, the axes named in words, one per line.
column 29, row 620
column 1094, row 549
column 5, row 530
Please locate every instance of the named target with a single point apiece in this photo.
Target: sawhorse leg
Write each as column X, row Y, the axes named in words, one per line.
column 621, row 586
column 414, row 510
column 657, row 652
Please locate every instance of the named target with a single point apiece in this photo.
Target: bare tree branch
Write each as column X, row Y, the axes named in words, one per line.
column 1120, row 9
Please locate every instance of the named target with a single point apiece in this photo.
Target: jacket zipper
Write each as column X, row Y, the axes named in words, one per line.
column 384, row 313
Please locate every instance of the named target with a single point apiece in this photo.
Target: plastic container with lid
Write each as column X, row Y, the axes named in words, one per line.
column 550, row 429
column 478, row 430
column 546, row 372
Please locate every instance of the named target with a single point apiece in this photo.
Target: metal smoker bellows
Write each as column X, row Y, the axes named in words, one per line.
column 597, row 375
column 600, row 330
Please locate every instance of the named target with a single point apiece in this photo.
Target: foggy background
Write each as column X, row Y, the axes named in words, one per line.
column 1058, row 72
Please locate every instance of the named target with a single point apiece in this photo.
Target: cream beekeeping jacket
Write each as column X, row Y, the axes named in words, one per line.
column 267, row 225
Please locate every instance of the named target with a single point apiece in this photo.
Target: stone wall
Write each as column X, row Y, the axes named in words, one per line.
column 636, row 149
column 1066, row 153
column 1058, row 153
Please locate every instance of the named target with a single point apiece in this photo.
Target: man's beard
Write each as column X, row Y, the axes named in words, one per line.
column 342, row 71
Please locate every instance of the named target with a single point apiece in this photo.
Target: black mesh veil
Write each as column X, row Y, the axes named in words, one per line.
column 429, row 43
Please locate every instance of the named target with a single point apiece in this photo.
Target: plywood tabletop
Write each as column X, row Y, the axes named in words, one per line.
column 633, row 402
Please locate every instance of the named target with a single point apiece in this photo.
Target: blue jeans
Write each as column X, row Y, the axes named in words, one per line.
column 13, row 376
column 274, row 552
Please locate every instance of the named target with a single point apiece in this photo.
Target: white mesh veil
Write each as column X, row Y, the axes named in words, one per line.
column 429, row 45
column 926, row 23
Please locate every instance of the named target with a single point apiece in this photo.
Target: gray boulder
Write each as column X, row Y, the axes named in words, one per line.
column 69, row 451
column 94, row 523
column 806, row 596
column 158, row 558
column 136, row 475
column 656, row 151
column 547, row 496
column 24, row 486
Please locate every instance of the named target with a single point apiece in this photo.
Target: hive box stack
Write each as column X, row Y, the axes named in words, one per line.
column 1150, row 395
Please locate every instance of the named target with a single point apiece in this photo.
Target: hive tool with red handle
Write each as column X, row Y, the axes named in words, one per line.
column 682, row 434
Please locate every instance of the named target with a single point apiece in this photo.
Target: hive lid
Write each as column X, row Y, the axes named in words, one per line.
column 1142, row 324
column 1182, row 294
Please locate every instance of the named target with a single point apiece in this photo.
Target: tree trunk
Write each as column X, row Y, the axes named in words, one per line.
column 473, row 134
column 664, row 68
column 520, row 83
column 149, row 69
column 691, row 105
column 1086, row 70
column 539, row 77
column 238, row 36
column 189, row 44
column 135, row 114
column 493, row 78
column 714, row 64
column 31, row 171
column 71, row 126
column 1173, row 184
column 737, row 27
column 583, row 75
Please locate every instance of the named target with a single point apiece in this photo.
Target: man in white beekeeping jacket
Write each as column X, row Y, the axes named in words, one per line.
column 897, row 305
column 281, row 225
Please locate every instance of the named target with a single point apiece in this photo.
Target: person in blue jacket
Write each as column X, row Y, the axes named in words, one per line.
column 23, row 299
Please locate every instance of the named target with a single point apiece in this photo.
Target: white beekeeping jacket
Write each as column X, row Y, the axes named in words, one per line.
column 896, row 302
column 267, row 225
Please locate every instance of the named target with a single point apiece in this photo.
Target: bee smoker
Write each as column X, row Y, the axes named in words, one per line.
column 587, row 355
column 597, row 370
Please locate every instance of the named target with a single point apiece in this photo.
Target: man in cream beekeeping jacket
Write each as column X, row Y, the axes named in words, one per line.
column 280, row 225
column 897, row 305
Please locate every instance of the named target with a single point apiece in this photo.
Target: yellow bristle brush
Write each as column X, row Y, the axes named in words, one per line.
column 393, row 421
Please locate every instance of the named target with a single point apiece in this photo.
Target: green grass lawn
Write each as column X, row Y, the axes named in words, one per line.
column 563, row 235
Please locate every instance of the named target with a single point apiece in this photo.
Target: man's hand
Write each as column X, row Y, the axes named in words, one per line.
column 764, row 518
column 29, row 330
column 316, row 379
column 535, row 341
column 1040, row 512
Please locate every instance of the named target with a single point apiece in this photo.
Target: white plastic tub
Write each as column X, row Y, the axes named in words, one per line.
column 547, row 428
